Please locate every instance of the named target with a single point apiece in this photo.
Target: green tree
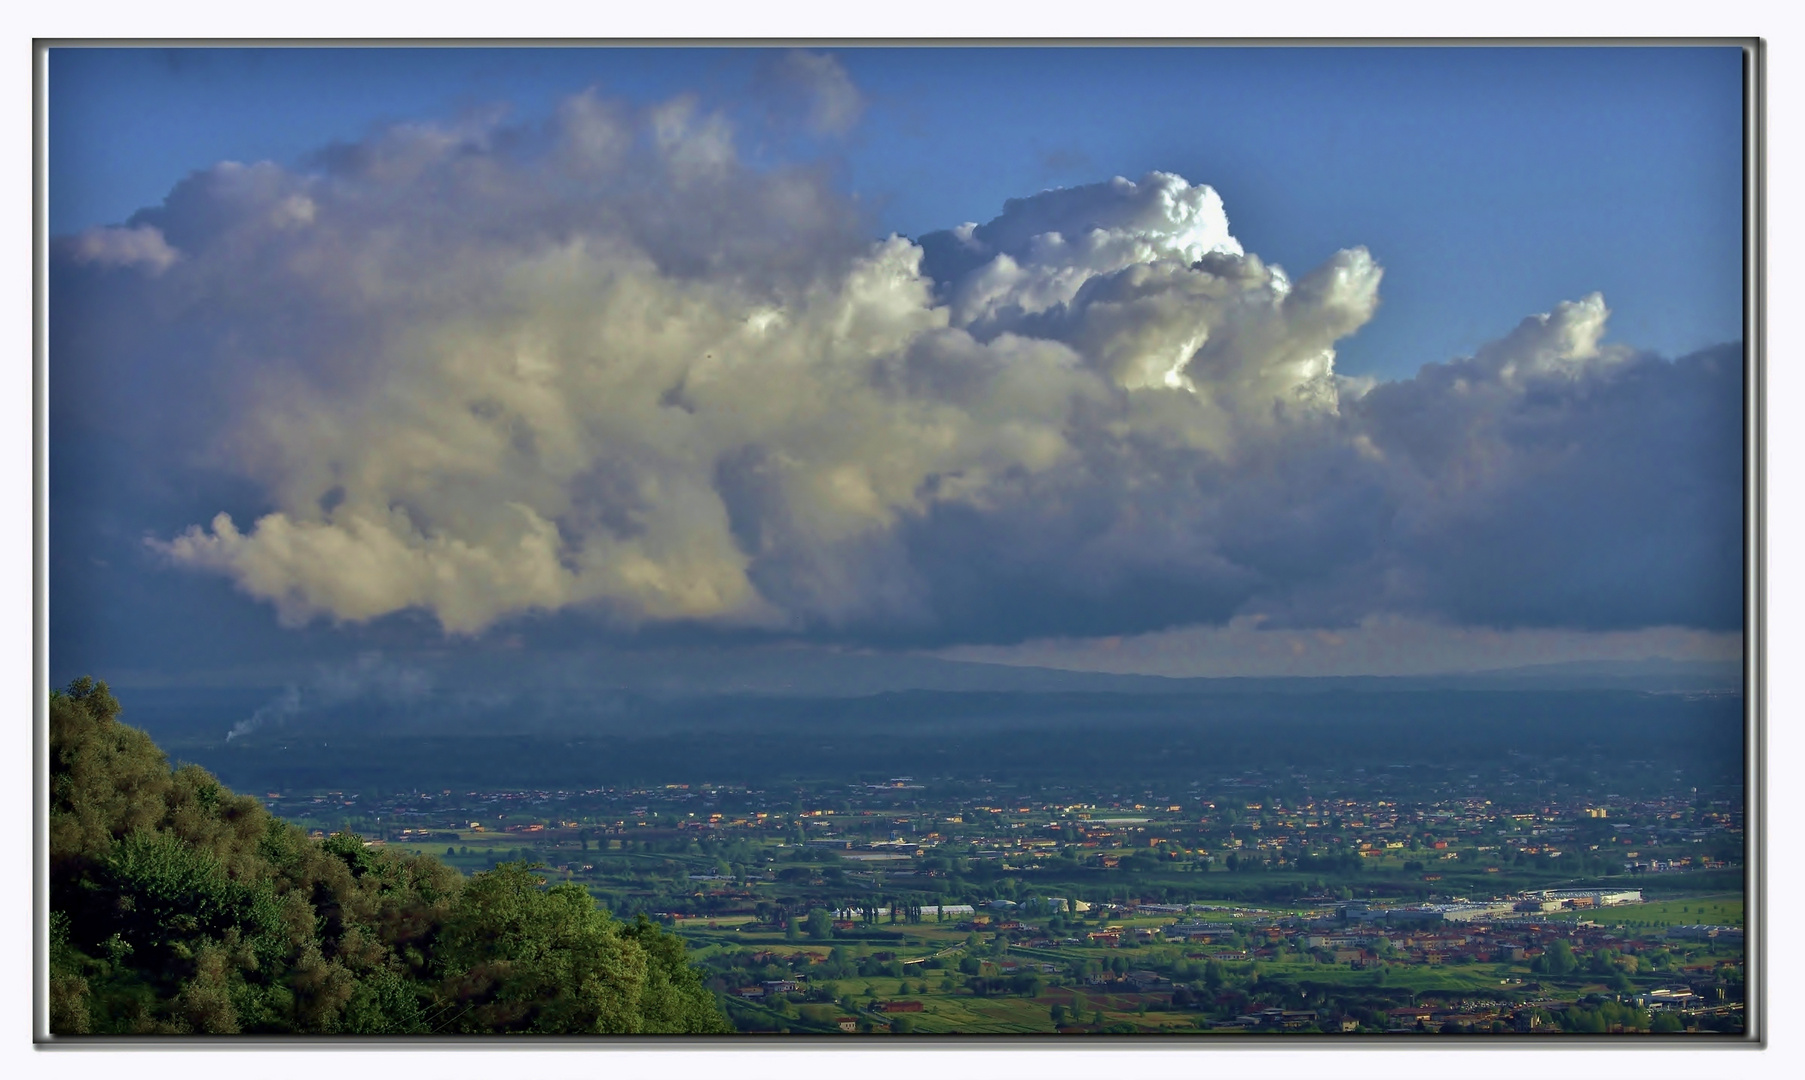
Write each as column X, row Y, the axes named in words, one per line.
column 178, row 906
column 1557, row 959
column 519, row 957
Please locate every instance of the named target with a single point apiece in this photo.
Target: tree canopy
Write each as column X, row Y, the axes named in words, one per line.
column 180, row 907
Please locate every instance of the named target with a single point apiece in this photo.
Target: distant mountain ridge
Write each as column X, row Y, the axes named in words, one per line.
column 821, row 674
column 521, row 693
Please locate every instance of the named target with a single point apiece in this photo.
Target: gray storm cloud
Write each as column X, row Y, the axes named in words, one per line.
column 606, row 365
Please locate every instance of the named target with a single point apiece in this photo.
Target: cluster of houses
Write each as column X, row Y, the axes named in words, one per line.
column 1531, row 1016
column 1276, row 1019
column 770, row 987
column 1505, row 931
column 1723, row 935
column 1523, row 905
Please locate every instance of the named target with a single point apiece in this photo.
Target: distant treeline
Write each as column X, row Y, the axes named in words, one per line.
column 178, row 907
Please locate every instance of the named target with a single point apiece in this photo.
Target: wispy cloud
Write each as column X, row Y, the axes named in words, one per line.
column 830, row 102
column 140, row 246
column 369, row 677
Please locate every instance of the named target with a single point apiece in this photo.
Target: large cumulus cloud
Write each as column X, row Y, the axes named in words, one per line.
column 605, row 365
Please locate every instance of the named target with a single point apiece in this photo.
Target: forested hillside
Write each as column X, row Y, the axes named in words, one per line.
column 180, row 907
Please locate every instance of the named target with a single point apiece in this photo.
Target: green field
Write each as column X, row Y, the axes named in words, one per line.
column 1716, row 909
column 964, row 1013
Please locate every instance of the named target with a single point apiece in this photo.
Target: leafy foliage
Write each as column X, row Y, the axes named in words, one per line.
column 178, row 906
column 1557, row 960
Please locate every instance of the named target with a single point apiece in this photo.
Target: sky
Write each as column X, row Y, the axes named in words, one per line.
column 1180, row 361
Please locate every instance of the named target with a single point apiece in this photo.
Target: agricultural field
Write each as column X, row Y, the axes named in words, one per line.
column 1717, row 909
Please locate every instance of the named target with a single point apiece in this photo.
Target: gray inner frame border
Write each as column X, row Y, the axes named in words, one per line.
column 1754, row 527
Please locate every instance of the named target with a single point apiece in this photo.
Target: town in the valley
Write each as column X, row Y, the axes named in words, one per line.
column 1409, row 900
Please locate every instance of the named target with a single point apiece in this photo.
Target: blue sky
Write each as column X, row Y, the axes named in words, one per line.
column 482, row 360
column 1489, row 182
